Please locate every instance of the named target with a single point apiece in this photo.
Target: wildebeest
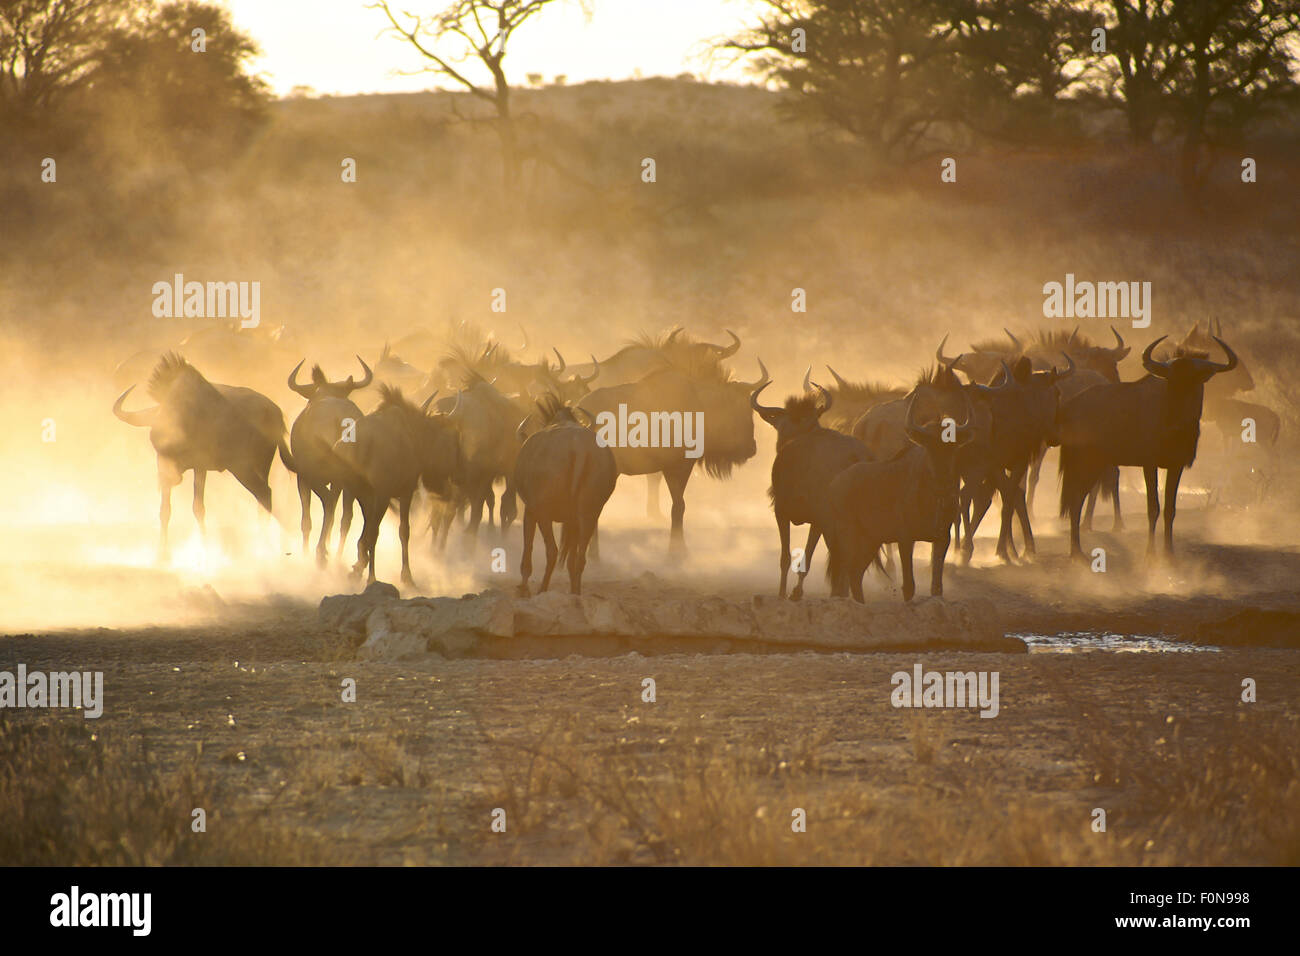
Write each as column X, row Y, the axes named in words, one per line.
column 982, row 361
column 883, row 427
column 911, row 497
column 397, row 447
column 808, row 457
column 668, row 397
column 1152, row 423
column 1024, row 406
column 202, row 426
column 485, row 421
column 851, row 400
column 562, row 474
column 652, row 353
column 1202, row 340
column 329, row 415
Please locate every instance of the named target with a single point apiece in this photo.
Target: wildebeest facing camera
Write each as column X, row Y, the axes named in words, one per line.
column 614, row 432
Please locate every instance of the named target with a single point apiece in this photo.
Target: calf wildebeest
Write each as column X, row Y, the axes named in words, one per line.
column 327, row 418
column 1152, row 423
column 666, row 398
column 912, row 497
column 808, row 457
column 562, row 474
column 397, row 447
column 201, row 426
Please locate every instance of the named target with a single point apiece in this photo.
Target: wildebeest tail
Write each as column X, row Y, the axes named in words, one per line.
column 285, row 456
column 1080, row 473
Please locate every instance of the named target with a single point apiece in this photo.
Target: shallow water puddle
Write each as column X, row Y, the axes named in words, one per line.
column 1073, row 642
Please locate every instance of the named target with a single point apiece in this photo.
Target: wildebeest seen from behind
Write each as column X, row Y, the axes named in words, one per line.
column 910, row 498
column 201, row 426
column 397, row 447
column 808, row 457
column 669, row 396
column 329, row 416
column 1152, row 423
column 485, row 421
column 562, row 475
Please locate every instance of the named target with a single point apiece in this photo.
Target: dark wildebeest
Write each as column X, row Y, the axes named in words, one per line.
column 883, row 427
column 984, row 359
column 1152, row 423
column 1202, row 341
column 1024, row 406
column 912, row 497
column 201, row 426
column 330, row 415
column 671, row 400
column 562, row 474
column 652, row 353
column 808, row 456
column 397, row 447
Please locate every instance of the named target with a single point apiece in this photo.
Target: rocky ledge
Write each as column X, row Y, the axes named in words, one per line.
column 554, row 624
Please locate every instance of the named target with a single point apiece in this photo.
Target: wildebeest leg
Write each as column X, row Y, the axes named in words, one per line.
column 652, row 509
column 1172, row 477
column 1092, row 505
column 526, row 561
column 552, row 552
column 905, row 559
column 1022, row 510
column 938, row 554
column 200, row 510
column 345, row 520
column 982, row 502
column 404, row 532
column 168, row 478
column 1152, row 476
column 329, row 499
column 1035, row 466
column 676, row 479
column 809, row 549
column 582, row 532
column 1113, row 480
column 595, row 540
column 509, row 507
column 783, row 532
column 304, row 499
column 1009, row 492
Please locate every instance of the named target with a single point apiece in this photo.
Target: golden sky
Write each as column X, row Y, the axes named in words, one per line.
column 335, row 46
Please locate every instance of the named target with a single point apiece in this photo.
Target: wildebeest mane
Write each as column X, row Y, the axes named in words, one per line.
column 170, row 368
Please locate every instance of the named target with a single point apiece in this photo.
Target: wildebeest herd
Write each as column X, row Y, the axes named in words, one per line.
column 865, row 466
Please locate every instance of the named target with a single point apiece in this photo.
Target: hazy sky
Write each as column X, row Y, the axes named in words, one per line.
column 335, row 46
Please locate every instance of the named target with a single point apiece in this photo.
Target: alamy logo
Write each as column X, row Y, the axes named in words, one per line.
column 82, row 689
column 102, row 909
column 651, row 430
column 1098, row 300
column 951, row 689
column 211, row 300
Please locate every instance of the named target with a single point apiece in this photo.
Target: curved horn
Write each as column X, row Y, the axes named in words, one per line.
column 305, row 391
column 765, row 411
column 1232, row 357
column 424, row 407
column 941, row 358
column 913, row 430
column 369, row 376
column 1151, row 364
column 1014, row 341
column 563, row 364
column 672, row 334
column 1119, row 343
column 764, row 378
column 838, row 380
column 827, row 399
column 729, row 350
column 1066, row 372
column 524, row 333
column 807, row 379
column 142, row 419
column 455, row 408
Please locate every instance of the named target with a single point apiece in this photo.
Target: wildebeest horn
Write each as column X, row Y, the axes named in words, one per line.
column 1151, row 364
column 595, row 371
column 429, row 401
column 807, row 379
column 826, row 396
column 765, row 412
column 1232, row 358
column 142, row 419
column 1005, row 383
column 519, row 429
column 764, row 378
column 672, row 334
column 305, row 391
column 1120, row 349
column 524, row 333
column 1014, row 341
column 729, row 350
column 838, row 380
column 909, row 422
column 1066, row 372
column 455, row 408
column 369, row 376
column 563, row 364
column 942, row 359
